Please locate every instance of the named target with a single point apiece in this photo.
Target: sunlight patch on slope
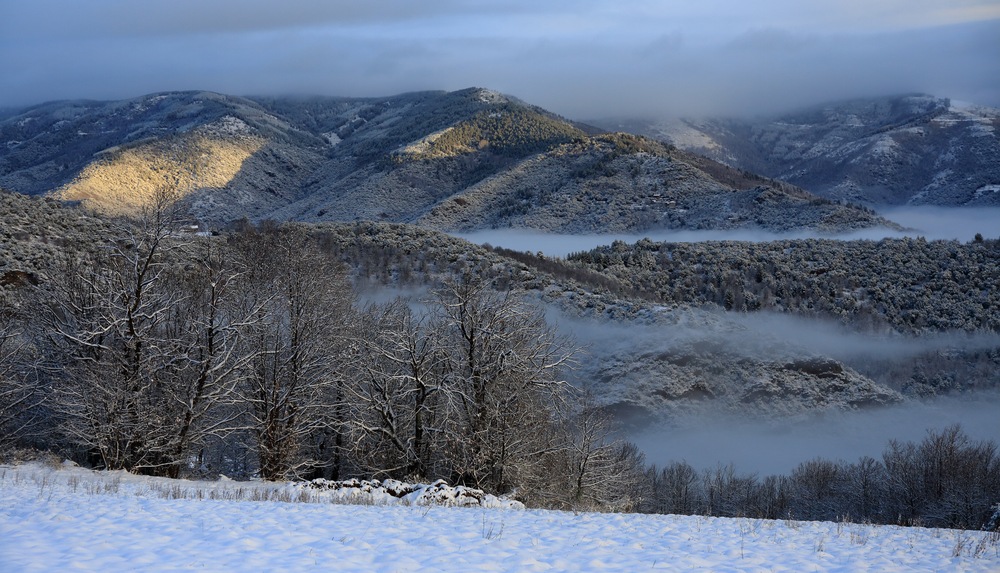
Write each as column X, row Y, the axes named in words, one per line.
column 423, row 146
column 124, row 179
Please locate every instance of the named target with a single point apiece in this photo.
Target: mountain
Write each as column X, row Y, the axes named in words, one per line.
column 450, row 160
column 115, row 155
column 910, row 149
column 619, row 183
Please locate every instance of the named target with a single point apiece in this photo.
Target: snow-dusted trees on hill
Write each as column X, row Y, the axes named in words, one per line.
column 909, row 285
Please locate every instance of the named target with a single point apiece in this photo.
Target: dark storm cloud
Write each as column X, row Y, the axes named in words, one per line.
column 581, row 59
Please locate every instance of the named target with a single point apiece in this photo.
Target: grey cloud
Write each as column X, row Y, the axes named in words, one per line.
column 103, row 18
column 580, row 60
column 768, row 40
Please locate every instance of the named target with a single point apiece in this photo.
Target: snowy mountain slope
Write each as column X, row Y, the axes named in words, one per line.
column 406, row 158
column 53, row 520
column 224, row 151
column 620, row 183
column 912, row 149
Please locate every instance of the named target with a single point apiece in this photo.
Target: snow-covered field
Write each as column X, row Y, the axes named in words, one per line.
column 69, row 519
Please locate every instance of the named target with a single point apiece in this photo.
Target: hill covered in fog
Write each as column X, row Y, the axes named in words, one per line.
column 902, row 150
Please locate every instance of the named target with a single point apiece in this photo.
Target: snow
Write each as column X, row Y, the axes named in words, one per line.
column 391, row 492
column 986, row 190
column 685, row 136
column 885, row 145
column 228, row 125
column 73, row 519
column 490, row 96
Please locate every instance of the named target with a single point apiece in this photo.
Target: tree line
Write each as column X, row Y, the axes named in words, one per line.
column 946, row 480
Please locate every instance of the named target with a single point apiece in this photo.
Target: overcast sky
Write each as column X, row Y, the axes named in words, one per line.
column 581, row 58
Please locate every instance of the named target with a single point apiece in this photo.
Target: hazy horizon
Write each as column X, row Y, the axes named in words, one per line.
column 582, row 59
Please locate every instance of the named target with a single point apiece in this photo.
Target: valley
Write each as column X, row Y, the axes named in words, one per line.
column 727, row 296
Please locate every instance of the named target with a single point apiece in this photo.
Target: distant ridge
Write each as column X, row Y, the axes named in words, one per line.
column 910, row 149
column 460, row 160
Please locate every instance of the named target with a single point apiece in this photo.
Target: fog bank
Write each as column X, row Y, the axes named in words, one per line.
column 776, row 447
column 932, row 223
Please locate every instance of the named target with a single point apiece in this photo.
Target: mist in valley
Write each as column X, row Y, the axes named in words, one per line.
column 778, row 444
column 767, row 447
column 931, row 223
column 947, row 223
column 708, row 437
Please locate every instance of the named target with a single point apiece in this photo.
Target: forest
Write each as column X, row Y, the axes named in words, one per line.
column 904, row 285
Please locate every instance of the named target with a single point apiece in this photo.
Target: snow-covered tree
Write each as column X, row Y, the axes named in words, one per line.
column 293, row 388
column 501, row 376
column 20, row 394
column 396, row 416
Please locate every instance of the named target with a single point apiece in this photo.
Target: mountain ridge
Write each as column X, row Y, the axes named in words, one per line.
column 404, row 158
column 912, row 149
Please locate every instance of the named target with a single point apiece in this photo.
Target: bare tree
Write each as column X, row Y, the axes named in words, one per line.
column 110, row 350
column 599, row 472
column 203, row 329
column 865, row 489
column 676, row 489
column 818, row 490
column 396, row 404
column 501, row 376
column 293, row 388
column 20, row 394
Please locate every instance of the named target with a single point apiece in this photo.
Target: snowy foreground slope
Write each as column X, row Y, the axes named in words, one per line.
column 74, row 520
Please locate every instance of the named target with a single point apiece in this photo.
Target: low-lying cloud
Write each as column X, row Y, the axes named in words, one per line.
column 932, row 223
column 777, row 446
